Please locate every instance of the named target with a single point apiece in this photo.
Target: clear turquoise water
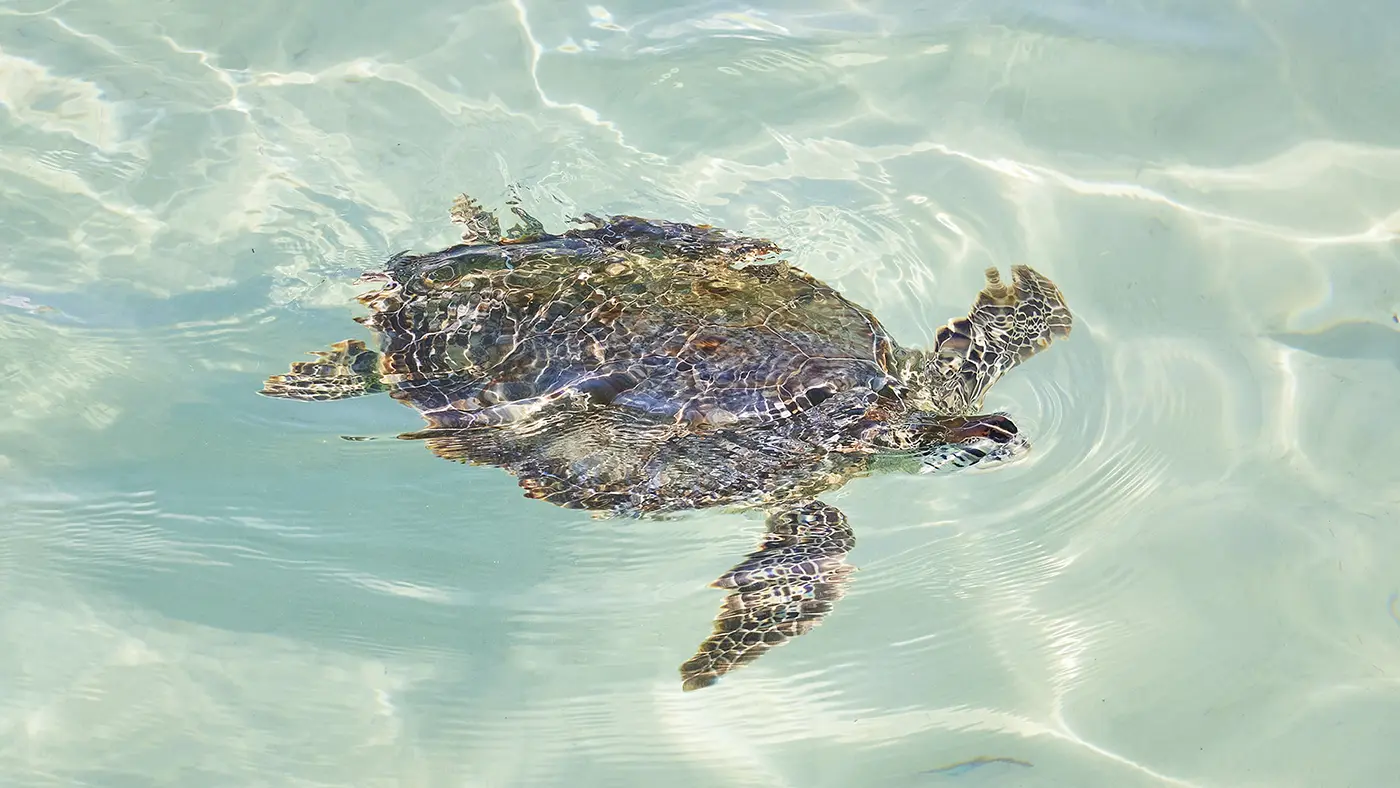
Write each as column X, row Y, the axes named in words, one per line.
column 1191, row 581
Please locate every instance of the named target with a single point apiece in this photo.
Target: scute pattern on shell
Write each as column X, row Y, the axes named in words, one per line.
column 671, row 320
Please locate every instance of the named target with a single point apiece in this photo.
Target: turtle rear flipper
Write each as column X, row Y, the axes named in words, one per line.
column 778, row 592
column 348, row 369
column 478, row 224
column 1007, row 325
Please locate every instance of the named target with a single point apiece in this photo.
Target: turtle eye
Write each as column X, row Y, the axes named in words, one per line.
column 998, row 428
column 992, row 427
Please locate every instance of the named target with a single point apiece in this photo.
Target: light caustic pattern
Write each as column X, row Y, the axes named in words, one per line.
column 1184, row 583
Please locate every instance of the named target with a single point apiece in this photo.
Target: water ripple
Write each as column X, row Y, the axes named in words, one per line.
column 1184, row 583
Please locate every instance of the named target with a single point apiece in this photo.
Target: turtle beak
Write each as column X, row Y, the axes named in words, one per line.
column 975, row 440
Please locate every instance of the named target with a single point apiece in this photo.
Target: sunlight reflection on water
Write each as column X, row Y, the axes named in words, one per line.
column 1180, row 585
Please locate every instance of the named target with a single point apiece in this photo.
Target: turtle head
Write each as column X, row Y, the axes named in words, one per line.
column 941, row 443
column 972, row 440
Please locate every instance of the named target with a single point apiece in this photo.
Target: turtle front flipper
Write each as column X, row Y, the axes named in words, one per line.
column 1007, row 325
column 348, row 369
column 778, row 592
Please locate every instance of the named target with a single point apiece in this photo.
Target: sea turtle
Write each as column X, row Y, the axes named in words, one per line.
column 638, row 367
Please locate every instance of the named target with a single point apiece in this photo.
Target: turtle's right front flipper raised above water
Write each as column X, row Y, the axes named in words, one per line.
column 1006, row 325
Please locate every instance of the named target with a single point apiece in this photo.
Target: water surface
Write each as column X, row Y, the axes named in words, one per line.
column 1190, row 581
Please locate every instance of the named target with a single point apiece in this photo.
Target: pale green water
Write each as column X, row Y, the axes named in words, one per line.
column 1189, row 582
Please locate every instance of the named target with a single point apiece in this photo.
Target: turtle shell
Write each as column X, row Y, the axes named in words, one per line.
column 677, row 321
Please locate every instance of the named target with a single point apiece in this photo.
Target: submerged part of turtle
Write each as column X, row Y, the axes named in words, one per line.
column 635, row 367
